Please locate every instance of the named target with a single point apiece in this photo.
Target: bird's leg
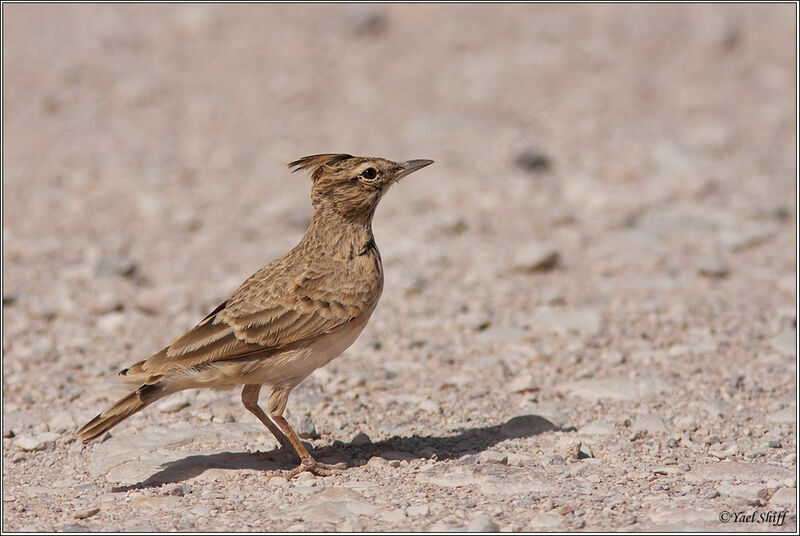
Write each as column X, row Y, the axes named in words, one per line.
column 277, row 404
column 307, row 462
column 250, row 401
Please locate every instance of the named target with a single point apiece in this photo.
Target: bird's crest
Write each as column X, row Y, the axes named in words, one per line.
column 315, row 162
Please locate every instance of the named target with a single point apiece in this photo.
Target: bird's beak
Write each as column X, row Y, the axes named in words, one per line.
column 411, row 166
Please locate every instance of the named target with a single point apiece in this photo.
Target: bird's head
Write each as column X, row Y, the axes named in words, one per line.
column 352, row 185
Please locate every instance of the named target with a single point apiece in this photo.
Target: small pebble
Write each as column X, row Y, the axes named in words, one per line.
column 305, row 427
column 535, row 257
column 303, row 477
column 774, row 444
column 83, row 514
column 418, row 510
column 718, row 451
column 368, row 23
column 522, row 383
column 377, row 461
column 492, row 456
column 520, row 460
column 429, row 406
column 568, row 449
column 482, row 522
column 360, row 439
column 686, row 424
column 43, row 441
column 532, row 159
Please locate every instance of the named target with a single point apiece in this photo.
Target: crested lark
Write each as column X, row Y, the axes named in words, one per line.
column 289, row 318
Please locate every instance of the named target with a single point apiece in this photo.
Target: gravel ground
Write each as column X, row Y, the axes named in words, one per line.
column 589, row 313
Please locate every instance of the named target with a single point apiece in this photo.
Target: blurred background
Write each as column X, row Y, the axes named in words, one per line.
column 611, row 212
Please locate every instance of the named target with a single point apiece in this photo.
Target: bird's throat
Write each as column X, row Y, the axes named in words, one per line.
column 334, row 235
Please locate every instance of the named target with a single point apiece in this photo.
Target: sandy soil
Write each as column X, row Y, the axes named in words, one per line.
column 589, row 314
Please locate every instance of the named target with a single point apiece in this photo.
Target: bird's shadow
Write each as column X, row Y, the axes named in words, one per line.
column 470, row 441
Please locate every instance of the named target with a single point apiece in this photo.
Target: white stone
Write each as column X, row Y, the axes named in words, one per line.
column 521, row 383
column 111, row 323
column 686, row 423
column 784, row 497
column 38, row 442
column 429, row 406
column 393, row 515
column 492, row 456
column 746, row 492
column 542, row 521
column 722, row 452
column 61, row 421
column 482, row 522
column 520, row 460
column 418, row 510
column 652, row 424
column 535, row 256
column 567, row 448
column 305, row 476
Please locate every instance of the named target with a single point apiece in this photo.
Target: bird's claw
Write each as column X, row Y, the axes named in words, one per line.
column 312, row 466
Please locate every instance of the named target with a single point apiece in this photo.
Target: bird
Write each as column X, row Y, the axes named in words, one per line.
column 289, row 318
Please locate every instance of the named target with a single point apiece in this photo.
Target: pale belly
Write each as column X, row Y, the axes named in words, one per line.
column 281, row 370
column 290, row 368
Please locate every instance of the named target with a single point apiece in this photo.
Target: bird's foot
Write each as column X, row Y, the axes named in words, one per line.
column 312, row 466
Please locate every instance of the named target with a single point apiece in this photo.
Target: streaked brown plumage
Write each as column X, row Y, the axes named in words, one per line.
column 289, row 318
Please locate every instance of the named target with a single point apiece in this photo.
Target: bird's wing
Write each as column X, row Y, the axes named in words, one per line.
column 274, row 309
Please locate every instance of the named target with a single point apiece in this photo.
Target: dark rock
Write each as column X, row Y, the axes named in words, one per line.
column 369, row 23
column 526, row 425
column 533, row 160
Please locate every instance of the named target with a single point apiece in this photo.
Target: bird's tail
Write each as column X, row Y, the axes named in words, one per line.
column 124, row 408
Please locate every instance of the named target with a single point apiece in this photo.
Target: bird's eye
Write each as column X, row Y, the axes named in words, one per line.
column 369, row 173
